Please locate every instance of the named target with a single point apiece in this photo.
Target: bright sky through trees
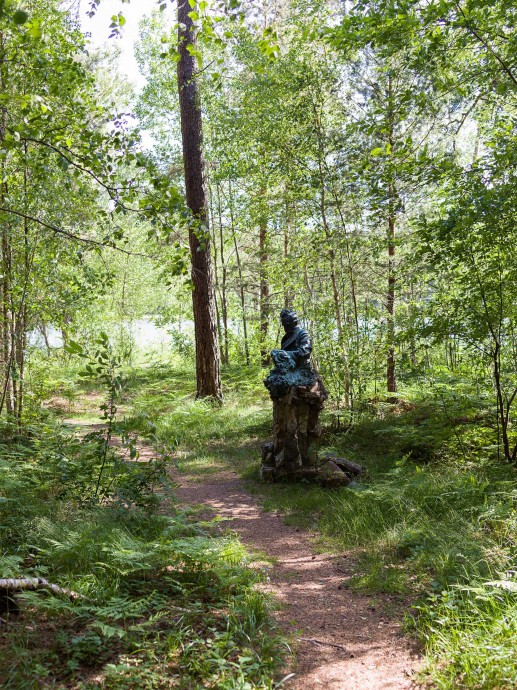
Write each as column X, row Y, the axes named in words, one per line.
column 98, row 28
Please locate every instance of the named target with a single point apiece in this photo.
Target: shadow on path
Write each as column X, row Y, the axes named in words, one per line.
column 342, row 642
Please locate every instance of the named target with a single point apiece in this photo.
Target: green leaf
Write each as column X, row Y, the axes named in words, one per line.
column 74, row 348
column 20, row 17
column 34, row 29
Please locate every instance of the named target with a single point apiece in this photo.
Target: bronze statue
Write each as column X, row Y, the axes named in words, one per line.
column 296, row 345
column 298, row 396
column 293, row 360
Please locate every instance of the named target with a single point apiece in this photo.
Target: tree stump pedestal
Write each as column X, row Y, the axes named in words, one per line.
column 293, row 455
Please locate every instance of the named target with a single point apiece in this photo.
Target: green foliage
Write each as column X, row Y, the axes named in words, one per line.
column 433, row 521
column 159, row 599
column 439, row 526
column 473, row 628
column 360, row 168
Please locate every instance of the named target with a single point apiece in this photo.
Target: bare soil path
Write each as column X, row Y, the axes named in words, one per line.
column 342, row 641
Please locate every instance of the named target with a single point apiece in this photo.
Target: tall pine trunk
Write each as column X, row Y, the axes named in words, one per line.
column 203, row 300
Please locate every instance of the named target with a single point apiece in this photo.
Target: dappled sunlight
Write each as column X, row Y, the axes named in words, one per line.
column 338, row 634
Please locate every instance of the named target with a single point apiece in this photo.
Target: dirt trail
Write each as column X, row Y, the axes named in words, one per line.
column 342, row 642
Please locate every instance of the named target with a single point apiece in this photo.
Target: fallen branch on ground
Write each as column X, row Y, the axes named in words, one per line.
column 32, row 583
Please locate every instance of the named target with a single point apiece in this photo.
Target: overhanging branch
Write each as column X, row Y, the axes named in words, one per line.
column 71, row 235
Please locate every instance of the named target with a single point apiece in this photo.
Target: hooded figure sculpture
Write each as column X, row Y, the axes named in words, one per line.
column 298, row 396
column 292, row 361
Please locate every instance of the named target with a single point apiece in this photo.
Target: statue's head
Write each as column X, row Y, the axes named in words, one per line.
column 289, row 320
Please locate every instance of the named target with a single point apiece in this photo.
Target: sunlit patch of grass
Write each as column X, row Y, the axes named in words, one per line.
column 199, row 465
column 470, row 633
column 202, row 427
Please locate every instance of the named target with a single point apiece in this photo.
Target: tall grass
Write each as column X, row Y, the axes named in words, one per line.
column 434, row 518
column 160, row 600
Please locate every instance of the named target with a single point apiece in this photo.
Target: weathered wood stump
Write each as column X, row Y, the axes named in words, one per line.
column 293, row 454
column 295, row 428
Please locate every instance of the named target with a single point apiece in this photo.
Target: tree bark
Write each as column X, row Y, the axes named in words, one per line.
column 241, row 280
column 391, row 380
column 6, row 265
column 217, row 290
column 289, row 231
column 203, row 300
column 224, row 280
column 265, row 358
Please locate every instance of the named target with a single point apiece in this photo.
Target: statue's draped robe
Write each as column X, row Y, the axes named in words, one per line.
column 299, row 343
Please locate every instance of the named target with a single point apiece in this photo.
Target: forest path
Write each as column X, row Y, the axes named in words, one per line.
column 341, row 639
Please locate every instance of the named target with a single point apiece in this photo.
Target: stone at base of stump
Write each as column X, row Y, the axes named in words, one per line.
column 328, row 471
column 332, row 474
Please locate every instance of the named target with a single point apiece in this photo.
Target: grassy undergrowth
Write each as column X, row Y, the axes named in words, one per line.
column 435, row 518
column 159, row 600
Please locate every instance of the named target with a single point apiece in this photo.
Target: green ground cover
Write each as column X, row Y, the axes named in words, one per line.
column 434, row 519
column 433, row 522
column 161, row 600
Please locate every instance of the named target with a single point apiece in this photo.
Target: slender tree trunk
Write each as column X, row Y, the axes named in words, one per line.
column 7, row 324
column 203, row 301
column 21, row 320
column 287, row 294
column 336, row 300
column 224, row 280
column 20, row 340
column 412, row 343
column 289, row 231
column 503, row 410
column 391, row 380
column 67, row 320
column 217, row 291
column 241, row 281
column 3, row 194
column 43, row 331
column 264, row 290
column 350, row 265
column 6, row 341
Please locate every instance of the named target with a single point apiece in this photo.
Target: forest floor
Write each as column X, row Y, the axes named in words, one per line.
column 422, row 548
column 342, row 640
